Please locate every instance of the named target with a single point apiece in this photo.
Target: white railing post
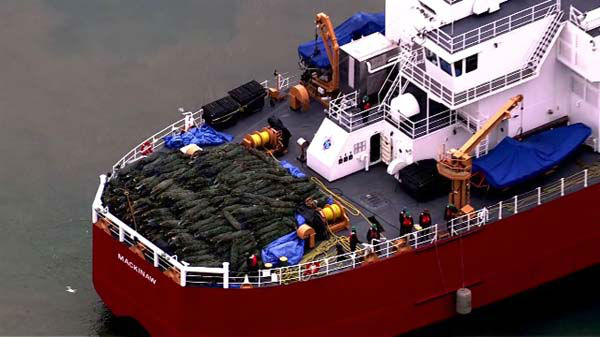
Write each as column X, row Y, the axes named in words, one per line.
column 155, row 258
column 299, row 272
column 539, row 196
column 585, row 178
column 353, row 257
column 500, row 210
column 183, row 276
column 387, row 248
column 326, row 261
column 225, row 275
column 562, row 187
column 258, row 279
column 121, row 234
column 516, row 204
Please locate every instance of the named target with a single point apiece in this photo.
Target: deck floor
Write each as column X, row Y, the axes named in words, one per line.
column 376, row 182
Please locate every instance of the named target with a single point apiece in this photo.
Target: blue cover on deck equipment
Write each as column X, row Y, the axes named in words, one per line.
column 202, row 136
column 512, row 162
column 359, row 24
column 290, row 246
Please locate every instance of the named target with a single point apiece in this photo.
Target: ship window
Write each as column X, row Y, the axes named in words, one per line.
column 446, row 66
column 471, row 63
column 431, row 56
column 458, row 68
column 360, row 147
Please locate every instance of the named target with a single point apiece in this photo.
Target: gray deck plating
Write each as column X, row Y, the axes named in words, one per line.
column 356, row 186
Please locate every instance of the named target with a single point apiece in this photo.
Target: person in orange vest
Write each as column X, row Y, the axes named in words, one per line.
column 353, row 239
column 373, row 234
column 407, row 224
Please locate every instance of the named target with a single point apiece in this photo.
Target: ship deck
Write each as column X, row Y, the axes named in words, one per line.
column 377, row 193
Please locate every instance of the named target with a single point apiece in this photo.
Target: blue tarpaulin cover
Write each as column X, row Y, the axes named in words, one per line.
column 512, row 162
column 202, row 136
column 290, row 246
column 293, row 170
column 359, row 24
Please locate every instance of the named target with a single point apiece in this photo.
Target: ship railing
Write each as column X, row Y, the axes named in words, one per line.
column 414, row 72
column 577, row 17
column 422, row 127
column 155, row 141
column 523, row 202
column 365, row 254
column 453, row 44
column 157, row 257
column 282, row 81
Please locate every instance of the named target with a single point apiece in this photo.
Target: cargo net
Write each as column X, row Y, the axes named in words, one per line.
column 222, row 204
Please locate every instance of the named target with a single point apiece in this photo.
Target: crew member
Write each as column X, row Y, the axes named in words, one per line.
column 425, row 219
column 373, row 234
column 407, row 224
column 401, row 217
column 339, row 250
column 450, row 213
column 252, row 263
column 425, row 223
column 353, row 239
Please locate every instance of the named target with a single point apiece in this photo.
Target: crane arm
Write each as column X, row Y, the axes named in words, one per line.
column 332, row 48
column 491, row 124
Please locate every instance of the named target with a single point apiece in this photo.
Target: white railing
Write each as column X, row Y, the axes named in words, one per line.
column 578, row 18
column 422, row 127
column 130, row 237
column 455, row 100
column 525, row 201
column 540, row 50
column 282, row 81
column 470, row 123
column 155, row 141
column 487, row 32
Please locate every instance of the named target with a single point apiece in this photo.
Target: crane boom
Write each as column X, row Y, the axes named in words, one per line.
column 456, row 164
column 332, row 48
column 491, row 124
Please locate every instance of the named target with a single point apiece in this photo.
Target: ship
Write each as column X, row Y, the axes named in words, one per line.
column 484, row 113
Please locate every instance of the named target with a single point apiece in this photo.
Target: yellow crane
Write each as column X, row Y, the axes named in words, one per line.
column 315, row 87
column 456, row 164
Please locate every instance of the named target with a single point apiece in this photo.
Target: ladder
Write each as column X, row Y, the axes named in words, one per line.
column 404, row 57
column 386, row 149
column 539, row 53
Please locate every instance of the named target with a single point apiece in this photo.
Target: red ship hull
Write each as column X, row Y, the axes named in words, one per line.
column 416, row 288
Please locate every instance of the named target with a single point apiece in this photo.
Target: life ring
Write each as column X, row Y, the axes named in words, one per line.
column 146, row 148
column 311, row 269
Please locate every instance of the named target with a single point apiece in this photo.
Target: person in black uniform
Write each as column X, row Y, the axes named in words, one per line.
column 425, row 223
column 353, row 239
column 373, row 234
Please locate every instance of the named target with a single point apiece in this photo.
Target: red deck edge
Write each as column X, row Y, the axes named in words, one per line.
column 502, row 259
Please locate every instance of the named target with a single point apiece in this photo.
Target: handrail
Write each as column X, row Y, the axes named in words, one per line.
column 456, row 100
column 155, row 141
column 492, row 29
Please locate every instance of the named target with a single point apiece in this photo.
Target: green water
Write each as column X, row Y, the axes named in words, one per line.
column 83, row 81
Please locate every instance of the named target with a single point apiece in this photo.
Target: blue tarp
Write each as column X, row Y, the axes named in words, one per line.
column 293, row 170
column 512, row 162
column 290, row 246
column 202, row 136
column 359, row 24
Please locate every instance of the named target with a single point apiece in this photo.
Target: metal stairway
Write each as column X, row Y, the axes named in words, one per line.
column 404, row 57
column 543, row 47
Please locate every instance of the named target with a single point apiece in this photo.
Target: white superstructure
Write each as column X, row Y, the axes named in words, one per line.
column 461, row 60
